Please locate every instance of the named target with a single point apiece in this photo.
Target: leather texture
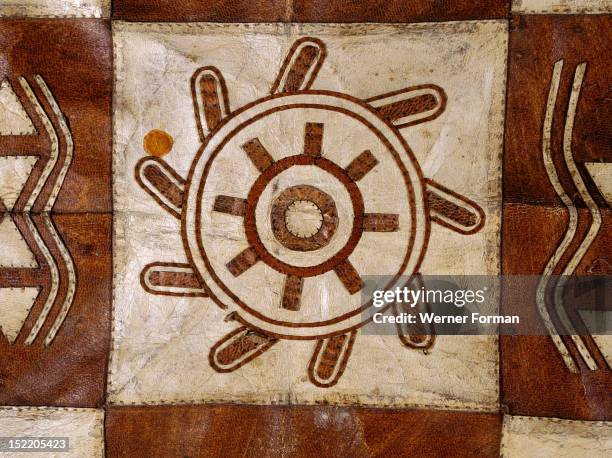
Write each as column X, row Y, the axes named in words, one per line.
column 298, row 431
column 308, row 10
column 64, row 65
column 535, row 218
column 110, row 337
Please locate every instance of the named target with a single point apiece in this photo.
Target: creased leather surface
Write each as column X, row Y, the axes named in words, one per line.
column 554, row 437
column 55, row 8
column 71, row 371
column 84, row 429
column 298, row 432
column 309, row 11
column 159, row 335
column 561, row 6
column 74, row 58
column 535, row 378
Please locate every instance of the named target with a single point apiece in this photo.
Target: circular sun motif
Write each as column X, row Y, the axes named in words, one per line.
column 291, row 201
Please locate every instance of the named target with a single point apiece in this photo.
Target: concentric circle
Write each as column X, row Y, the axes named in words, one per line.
column 304, row 218
column 253, row 233
column 223, row 246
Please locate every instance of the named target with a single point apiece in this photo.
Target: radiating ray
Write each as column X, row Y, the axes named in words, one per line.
column 243, row 261
column 380, row 222
column 361, row 165
column 301, row 66
column 292, row 292
column 306, row 59
column 172, row 279
column 329, row 359
column 258, row 154
column 212, row 104
column 408, row 107
column 313, row 139
column 349, row 276
column 230, row 205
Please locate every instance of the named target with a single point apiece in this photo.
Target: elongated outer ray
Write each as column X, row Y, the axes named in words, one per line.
column 330, row 358
column 172, row 279
column 210, row 98
column 452, row 210
column 412, row 105
column 301, row 66
column 162, row 183
column 237, row 348
column 420, row 336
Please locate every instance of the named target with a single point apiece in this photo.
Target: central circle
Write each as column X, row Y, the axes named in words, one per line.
column 303, row 218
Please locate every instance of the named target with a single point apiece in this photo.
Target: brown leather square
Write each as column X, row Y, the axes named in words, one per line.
column 55, row 211
column 298, row 432
column 71, row 370
column 396, row 10
column 73, row 58
column 197, row 10
column 309, row 10
column 537, row 43
column 556, row 217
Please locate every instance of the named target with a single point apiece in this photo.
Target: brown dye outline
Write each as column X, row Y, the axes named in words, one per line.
column 170, row 264
column 164, row 165
column 291, row 286
column 317, row 67
column 47, row 189
column 42, row 276
column 434, row 115
column 230, row 336
column 329, row 221
column 464, row 199
column 32, row 147
column 250, row 223
column 407, row 151
column 346, row 354
column 18, row 209
column 405, row 338
column 569, row 186
column 196, row 107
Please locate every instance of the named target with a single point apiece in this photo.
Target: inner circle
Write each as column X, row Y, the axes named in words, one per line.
column 303, row 218
column 328, row 250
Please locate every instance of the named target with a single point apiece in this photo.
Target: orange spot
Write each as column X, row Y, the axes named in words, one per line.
column 158, row 143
